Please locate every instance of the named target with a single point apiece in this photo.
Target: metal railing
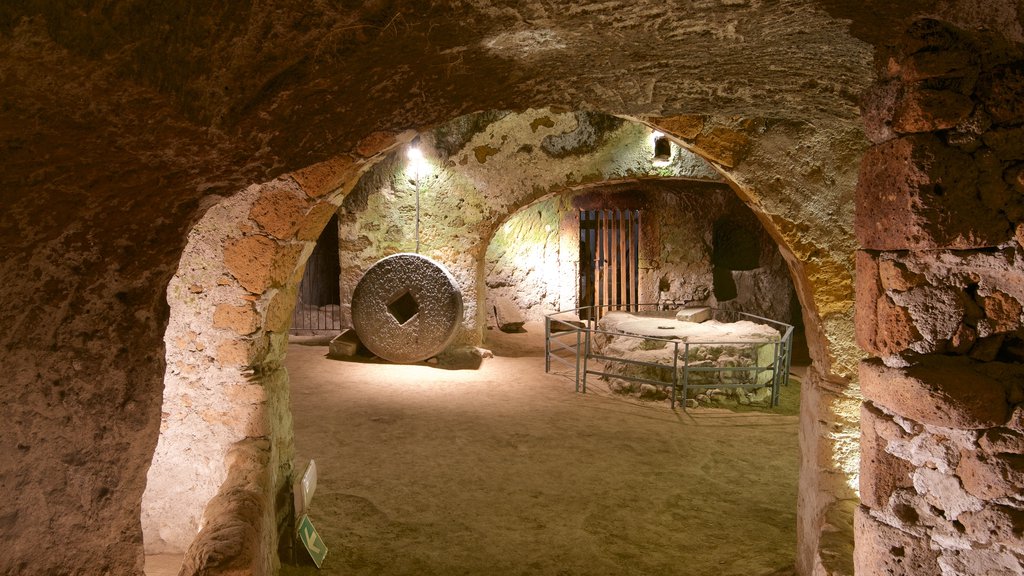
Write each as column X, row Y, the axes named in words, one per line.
column 569, row 341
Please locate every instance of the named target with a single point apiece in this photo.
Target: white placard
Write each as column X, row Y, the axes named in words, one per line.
column 304, row 489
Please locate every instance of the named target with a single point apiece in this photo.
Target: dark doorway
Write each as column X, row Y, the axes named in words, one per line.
column 609, row 260
column 319, row 303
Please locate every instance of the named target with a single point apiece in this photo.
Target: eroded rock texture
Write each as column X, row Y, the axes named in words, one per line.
column 123, row 122
column 939, row 302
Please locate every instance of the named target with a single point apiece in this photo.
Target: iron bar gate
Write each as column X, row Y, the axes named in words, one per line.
column 318, row 307
column 609, row 260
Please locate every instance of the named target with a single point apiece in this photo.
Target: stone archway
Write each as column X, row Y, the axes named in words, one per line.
column 226, row 436
column 806, row 204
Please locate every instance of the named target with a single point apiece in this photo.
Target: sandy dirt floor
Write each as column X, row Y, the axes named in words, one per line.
column 507, row 470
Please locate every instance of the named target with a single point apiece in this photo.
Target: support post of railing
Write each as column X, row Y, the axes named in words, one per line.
column 547, row 344
column 586, row 356
column 578, row 358
column 686, row 372
column 675, row 374
column 789, row 354
column 776, row 373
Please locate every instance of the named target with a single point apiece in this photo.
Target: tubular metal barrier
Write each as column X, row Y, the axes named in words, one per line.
column 570, row 342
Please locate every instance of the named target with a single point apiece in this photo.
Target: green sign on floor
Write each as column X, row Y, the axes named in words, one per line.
column 311, row 540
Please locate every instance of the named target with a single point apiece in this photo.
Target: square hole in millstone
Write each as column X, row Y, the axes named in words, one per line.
column 403, row 307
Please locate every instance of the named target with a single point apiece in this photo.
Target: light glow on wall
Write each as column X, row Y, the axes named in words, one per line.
column 418, row 166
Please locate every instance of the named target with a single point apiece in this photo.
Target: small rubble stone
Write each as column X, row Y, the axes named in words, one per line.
column 1002, row 314
column 461, row 358
column 507, row 315
column 995, row 524
column 881, row 473
column 986, row 349
column 895, row 276
column 1002, row 441
column 991, row 476
column 698, row 315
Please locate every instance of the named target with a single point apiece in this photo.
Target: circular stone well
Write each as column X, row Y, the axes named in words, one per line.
column 406, row 308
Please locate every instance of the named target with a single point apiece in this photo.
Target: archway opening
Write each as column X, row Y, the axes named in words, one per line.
column 458, row 226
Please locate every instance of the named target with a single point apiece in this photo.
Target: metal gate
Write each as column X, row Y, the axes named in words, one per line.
column 319, row 303
column 609, row 260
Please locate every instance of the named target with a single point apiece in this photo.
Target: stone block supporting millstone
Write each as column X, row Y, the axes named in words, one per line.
column 406, row 308
column 344, row 345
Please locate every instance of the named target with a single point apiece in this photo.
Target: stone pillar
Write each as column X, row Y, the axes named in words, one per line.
column 940, row 292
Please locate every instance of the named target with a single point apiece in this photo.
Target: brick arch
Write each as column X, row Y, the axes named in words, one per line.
column 226, row 443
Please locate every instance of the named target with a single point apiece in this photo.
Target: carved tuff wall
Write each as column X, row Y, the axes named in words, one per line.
column 940, row 292
column 122, row 122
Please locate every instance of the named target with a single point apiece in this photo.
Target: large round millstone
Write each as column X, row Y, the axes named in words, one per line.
column 406, row 308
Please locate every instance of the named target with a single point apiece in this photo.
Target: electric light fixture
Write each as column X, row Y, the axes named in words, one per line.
column 418, row 165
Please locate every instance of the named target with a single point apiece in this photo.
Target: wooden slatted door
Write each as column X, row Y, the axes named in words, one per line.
column 609, row 260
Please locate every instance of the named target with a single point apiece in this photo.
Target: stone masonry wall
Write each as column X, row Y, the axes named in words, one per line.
column 940, row 293
column 219, row 486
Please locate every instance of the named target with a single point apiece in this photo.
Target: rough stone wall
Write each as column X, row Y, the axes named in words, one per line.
column 122, row 122
column 225, row 388
column 88, row 241
column 940, row 293
column 524, row 263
